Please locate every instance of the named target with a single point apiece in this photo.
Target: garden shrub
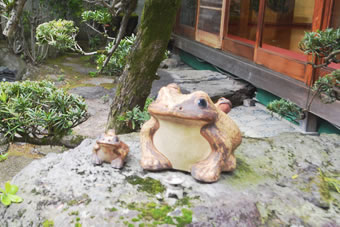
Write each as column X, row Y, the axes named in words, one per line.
column 38, row 112
column 118, row 60
column 286, row 109
column 60, row 34
column 136, row 117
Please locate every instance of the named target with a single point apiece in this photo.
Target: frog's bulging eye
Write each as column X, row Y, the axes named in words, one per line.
column 116, row 139
column 202, row 103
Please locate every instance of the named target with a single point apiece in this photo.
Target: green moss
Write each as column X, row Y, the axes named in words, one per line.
column 34, row 191
column 113, row 209
column 21, row 212
column 77, row 139
column 48, row 223
column 243, row 174
column 77, row 84
column 185, row 219
column 148, row 184
column 158, row 214
column 75, row 213
column 84, row 198
column 185, row 201
column 107, row 86
column 135, row 219
column 72, row 202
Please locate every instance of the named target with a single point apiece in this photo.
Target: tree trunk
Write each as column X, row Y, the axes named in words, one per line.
column 147, row 53
column 14, row 18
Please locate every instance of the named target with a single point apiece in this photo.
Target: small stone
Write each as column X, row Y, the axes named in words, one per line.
column 248, row 102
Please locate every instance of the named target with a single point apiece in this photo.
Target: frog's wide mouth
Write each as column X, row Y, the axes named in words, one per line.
column 178, row 117
column 108, row 144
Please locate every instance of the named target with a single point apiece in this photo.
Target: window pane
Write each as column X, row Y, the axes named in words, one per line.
column 209, row 20
column 212, row 3
column 286, row 22
column 335, row 22
column 243, row 16
column 188, row 13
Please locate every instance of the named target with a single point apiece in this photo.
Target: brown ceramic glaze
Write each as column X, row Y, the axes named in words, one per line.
column 189, row 133
column 109, row 148
column 224, row 105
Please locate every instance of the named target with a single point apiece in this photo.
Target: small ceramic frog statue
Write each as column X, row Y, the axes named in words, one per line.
column 224, row 104
column 189, row 133
column 109, row 148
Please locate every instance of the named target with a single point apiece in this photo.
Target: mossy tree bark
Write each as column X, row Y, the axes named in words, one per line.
column 13, row 19
column 147, row 53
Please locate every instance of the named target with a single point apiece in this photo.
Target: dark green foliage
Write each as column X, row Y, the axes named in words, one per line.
column 101, row 16
column 38, row 110
column 118, row 60
column 65, row 8
column 321, row 43
column 328, row 87
column 286, row 109
column 136, row 117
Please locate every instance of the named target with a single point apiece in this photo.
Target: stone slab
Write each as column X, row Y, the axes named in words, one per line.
column 276, row 183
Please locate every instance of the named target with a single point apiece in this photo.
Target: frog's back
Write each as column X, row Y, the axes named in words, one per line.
column 229, row 128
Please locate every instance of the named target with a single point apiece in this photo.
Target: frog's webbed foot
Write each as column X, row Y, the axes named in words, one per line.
column 155, row 161
column 96, row 160
column 230, row 164
column 117, row 163
column 208, row 170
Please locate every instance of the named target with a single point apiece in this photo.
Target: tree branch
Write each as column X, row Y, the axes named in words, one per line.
column 328, row 60
column 121, row 32
column 14, row 18
column 102, row 33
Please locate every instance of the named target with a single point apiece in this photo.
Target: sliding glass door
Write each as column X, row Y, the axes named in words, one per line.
column 210, row 15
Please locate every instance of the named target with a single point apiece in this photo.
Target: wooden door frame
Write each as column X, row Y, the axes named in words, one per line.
column 208, row 38
column 234, row 46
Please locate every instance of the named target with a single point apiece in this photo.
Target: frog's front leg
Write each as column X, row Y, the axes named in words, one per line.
column 152, row 159
column 209, row 169
column 118, row 163
column 95, row 159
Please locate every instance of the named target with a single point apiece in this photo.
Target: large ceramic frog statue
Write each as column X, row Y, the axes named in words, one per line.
column 189, row 133
column 109, row 148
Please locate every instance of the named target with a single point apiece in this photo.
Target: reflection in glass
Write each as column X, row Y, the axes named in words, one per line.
column 243, row 16
column 212, row 3
column 286, row 22
column 335, row 21
column 188, row 13
column 209, row 20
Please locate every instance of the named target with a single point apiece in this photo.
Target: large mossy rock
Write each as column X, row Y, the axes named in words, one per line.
column 12, row 62
column 279, row 181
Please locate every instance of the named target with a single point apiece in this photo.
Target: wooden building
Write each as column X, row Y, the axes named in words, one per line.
column 257, row 40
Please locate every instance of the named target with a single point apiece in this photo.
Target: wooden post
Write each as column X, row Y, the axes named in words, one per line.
column 309, row 124
column 260, row 25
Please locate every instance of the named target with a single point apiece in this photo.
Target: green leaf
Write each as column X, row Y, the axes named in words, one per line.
column 5, row 199
column 15, row 198
column 11, row 188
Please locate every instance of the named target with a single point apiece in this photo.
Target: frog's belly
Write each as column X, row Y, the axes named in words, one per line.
column 182, row 144
column 107, row 156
